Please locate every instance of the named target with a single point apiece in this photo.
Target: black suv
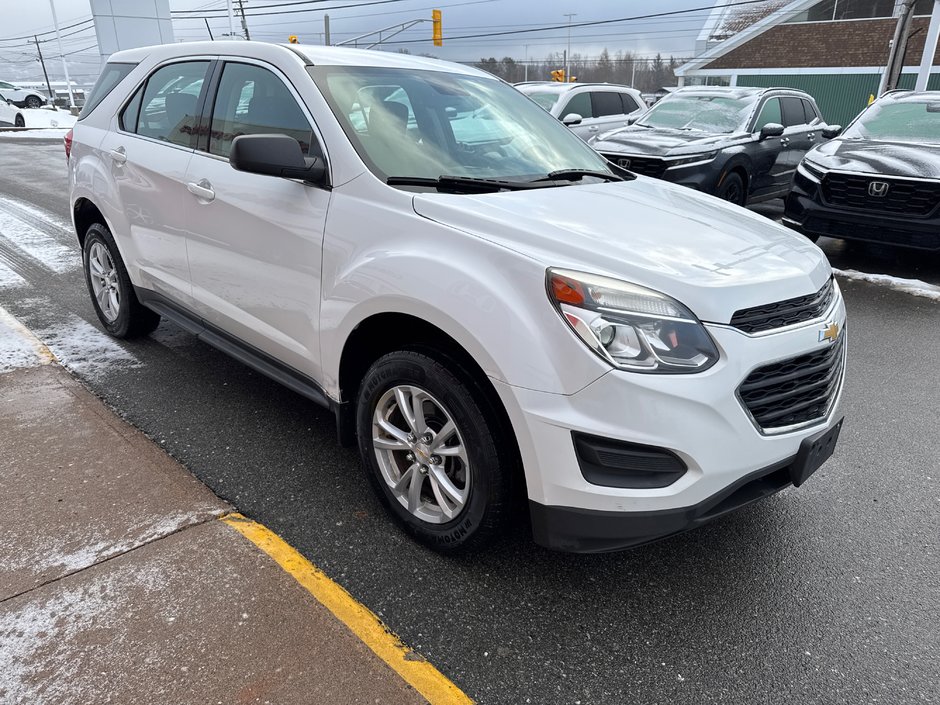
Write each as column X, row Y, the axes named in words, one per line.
column 879, row 181
column 740, row 144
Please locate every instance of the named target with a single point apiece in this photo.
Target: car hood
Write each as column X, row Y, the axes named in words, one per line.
column 659, row 142
column 713, row 257
column 884, row 158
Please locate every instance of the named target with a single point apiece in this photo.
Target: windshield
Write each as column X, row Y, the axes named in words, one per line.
column 898, row 122
column 425, row 124
column 546, row 99
column 704, row 113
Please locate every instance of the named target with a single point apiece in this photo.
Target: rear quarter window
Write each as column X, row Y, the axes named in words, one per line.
column 111, row 75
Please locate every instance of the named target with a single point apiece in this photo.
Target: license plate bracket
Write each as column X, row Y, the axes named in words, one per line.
column 814, row 451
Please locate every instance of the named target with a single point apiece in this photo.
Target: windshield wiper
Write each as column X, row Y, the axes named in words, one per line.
column 462, row 183
column 577, row 175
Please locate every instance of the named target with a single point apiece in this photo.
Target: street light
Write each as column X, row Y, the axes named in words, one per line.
column 568, row 51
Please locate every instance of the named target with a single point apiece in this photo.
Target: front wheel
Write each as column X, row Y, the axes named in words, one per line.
column 33, row 101
column 434, row 449
column 732, row 189
column 110, row 287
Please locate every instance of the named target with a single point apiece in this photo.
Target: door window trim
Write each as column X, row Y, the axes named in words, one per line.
column 205, row 121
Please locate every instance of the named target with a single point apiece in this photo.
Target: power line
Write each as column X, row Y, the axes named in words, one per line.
column 40, row 34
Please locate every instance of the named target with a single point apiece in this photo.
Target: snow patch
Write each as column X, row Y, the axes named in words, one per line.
column 910, row 286
column 15, row 350
column 53, row 133
column 9, row 278
column 38, row 245
column 84, row 349
column 44, row 215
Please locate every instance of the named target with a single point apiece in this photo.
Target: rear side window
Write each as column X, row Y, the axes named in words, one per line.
column 793, row 112
column 165, row 109
column 580, row 104
column 110, row 76
column 606, row 103
column 253, row 101
column 629, row 104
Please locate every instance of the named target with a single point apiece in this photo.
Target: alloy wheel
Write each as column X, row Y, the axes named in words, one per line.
column 421, row 454
column 104, row 281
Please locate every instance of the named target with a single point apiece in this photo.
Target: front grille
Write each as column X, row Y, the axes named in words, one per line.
column 908, row 196
column 908, row 234
column 647, row 166
column 795, row 391
column 784, row 313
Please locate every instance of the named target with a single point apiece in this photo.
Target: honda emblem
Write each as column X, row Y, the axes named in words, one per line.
column 878, row 189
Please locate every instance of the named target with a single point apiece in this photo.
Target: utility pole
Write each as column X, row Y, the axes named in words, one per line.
column 326, row 30
column 46, row 75
column 568, row 52
column 930, row 48
column 241, row 9
column 526, row 64
column 892, row 74
column 231, row 20
column 208, row 28
column 65, row 66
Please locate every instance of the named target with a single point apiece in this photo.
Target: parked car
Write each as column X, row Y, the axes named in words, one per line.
column 589, row 109
column 483, row 307
column 26, row 117
column 740, row 144
column 879, row 181
column 21, row 97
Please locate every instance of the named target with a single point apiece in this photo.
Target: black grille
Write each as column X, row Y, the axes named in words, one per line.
column 910, row 197
column 784, row 313
column 647, row 166
column 795, row 391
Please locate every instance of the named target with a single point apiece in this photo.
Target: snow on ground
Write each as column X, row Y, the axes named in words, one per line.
column 37, row 244
column 50, row 134
column 9, row 278
column 37, row 117
column 51, row 218
column 84, row 349
column 18, row 348
column 910, row 286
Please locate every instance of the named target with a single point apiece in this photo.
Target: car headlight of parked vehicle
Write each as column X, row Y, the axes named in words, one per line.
column 811, row 171
column 631, row 327
column 691, row 159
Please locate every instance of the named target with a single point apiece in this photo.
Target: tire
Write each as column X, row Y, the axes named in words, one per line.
column 732, row 189
column 112, row 294
column 18, row 121
column 480, row 472
column 33, row 101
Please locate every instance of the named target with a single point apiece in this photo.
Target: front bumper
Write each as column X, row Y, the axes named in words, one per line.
column 807, row 213
column 698, row 418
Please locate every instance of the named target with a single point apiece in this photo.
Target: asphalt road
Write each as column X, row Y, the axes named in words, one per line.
column 825, row 594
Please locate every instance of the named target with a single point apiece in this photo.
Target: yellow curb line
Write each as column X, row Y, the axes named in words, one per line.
column 417, row 672
column 42, row 352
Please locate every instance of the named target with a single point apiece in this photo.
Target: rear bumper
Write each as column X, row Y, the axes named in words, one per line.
column 806, row 213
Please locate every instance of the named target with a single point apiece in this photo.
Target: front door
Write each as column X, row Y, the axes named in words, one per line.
column 255, row 242
column 770, row 171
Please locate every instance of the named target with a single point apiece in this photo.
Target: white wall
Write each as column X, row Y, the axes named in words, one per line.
column 127, row 24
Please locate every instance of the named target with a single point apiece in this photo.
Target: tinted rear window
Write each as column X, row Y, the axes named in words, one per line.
column 111, row 75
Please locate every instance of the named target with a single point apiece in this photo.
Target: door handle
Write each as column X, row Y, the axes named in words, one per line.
column 202, row 190
column 812, row 135
column 593, row 128
column 785, row 140
column 118, row 156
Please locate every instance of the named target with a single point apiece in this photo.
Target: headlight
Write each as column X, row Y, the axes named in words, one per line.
column 692, row 159
column 811, row 171
column 629, row 326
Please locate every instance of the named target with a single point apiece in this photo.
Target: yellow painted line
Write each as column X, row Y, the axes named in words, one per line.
column 412, row 667
column 42, row 352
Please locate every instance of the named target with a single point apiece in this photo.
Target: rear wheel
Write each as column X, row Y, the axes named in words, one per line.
column 111, row 291
column 732, row 189
column 434, row 449
column 33, row 101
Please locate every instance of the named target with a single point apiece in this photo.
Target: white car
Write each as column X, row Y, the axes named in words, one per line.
column 21, row 97
column 589, row 109
column 47, row 117
column 490, row 309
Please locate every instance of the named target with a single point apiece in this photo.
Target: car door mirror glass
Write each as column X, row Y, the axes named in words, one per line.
column 832, row 131
column 572, row 119
column 771, row 129
column 276, row 155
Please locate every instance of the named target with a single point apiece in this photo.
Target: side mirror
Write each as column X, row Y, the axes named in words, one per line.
column 832, row 131
column 571, row 119
column 276, row 155
column 771, row 129
column 633, row 118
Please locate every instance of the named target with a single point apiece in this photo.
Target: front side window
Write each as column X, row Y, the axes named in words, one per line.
column 770, row 114
column 898, row 122
column 167, row 110
column 703, row 113
column 428, row 124
column 580, row 104
column 8, row 86
column 252, row 100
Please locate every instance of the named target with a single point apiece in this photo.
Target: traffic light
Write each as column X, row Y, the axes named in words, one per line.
column 558, row 75
column 438, row 33
column 293, row 39
column 572, row 79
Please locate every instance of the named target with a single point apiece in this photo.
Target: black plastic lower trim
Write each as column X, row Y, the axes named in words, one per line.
column 590, row 531
column 612, row 463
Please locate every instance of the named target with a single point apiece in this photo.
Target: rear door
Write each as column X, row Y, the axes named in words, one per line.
column 148, row 154
column 255, row 242
column 800, row 134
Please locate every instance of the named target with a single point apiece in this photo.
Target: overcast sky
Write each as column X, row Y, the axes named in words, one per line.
column 669, row 35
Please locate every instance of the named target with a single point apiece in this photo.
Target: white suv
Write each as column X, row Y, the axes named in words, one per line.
column 588, row 109
column 482, row 300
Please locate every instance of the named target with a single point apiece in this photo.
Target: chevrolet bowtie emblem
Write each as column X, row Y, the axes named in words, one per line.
column 830, row 333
